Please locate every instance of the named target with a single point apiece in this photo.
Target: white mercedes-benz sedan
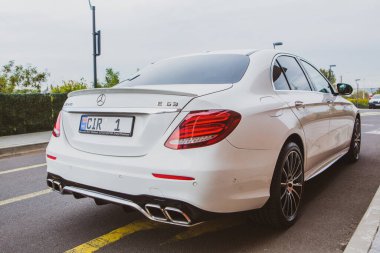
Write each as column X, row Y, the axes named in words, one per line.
column 192, row 137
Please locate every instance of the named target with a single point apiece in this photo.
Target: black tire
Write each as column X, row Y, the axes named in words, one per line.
column 282, row 189
column 354, row 151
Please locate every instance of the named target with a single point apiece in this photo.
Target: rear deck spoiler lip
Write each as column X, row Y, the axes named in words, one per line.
column 129, row 90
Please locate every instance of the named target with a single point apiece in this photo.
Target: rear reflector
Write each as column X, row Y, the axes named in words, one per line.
column 203, row 128
column 51, row 157
column 163, row 176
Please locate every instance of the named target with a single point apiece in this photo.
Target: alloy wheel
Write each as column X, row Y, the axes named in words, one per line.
column 292, row 179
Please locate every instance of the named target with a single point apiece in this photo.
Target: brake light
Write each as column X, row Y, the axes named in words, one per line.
column 57, row 126
column 203, row 128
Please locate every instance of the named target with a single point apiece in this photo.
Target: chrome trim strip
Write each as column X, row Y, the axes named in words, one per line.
column 327, row 165
column 120, row 110
column 130, row 90
column 118, row 200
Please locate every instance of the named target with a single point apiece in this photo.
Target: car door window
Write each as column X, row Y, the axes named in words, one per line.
column 294, row 74
column 279, row 80
column 317, row 79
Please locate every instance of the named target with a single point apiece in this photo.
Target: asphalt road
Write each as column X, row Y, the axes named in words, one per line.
column 35, row 220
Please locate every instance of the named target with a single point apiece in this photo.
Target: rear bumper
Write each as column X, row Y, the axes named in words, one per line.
column 154, row 208
column 227, row 179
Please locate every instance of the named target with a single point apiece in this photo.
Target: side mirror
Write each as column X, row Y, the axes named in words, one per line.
column 344, row 89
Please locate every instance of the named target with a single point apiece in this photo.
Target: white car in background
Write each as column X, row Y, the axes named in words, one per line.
column 374, row 102
column 192, row 137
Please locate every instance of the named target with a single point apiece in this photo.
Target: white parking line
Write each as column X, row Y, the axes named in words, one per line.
column 369, row 113
column 23, row 197
column 23, row 168
column 373, row 132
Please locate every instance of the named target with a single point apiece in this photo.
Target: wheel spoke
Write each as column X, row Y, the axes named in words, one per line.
column 298, row 196
column 289, row 171
column 291, row 205
column 285, row 203
column 299, row 174
column 284, row 172
column 295, row 204
column 297, row 169
column 282, row 196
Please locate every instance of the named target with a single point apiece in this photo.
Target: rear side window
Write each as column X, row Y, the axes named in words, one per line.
column 294, row 74
column 317, row 79
column 279, row 80
column 198, row 69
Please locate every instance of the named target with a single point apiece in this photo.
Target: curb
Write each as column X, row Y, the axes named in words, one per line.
column 364, row 235
column 22, row 149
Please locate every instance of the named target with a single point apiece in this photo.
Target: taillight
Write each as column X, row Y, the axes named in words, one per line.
column 203, row 128
column 57, row 126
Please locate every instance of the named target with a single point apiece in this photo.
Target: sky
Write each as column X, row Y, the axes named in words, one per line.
column 56, row 35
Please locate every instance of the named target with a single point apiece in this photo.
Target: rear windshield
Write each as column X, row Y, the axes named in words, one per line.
column 199, row 69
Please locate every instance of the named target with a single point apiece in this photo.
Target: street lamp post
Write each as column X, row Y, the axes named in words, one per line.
column 277, row 44
column 95, row 42
column 330, row 71
column 357, row 91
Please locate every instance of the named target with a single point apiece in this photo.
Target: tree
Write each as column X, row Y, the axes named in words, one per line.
column 21, row 79
column 329, row 75
column 111, row 78
column 69, row 86
column 361, row 94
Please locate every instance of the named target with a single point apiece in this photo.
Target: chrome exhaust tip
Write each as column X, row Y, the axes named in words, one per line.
column 49, row 183
column 156, row 212
column 57, row 186
column 177, row 216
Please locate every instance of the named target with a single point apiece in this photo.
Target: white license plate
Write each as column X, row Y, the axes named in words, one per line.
column 105, row 125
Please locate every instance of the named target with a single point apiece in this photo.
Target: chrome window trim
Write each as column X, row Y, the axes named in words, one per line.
column 328, row 82
column 297, row 60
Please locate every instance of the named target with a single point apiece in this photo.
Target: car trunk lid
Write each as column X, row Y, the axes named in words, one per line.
column 153, row 108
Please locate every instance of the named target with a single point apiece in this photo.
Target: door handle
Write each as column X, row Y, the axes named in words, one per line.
column 299, row 104
column 329, row 102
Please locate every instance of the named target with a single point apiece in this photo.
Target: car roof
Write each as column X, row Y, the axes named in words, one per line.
column 247, row 52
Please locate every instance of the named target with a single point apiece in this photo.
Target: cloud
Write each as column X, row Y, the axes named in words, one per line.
column 57, row 34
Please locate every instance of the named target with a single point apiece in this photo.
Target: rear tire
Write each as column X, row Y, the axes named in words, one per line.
column 281, row 209
column 354, row 151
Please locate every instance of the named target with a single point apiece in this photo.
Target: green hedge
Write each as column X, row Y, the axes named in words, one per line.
column 28, row 113
column 361, row 102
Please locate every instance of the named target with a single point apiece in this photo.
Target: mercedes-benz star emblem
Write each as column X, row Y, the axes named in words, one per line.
column 101, row 99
